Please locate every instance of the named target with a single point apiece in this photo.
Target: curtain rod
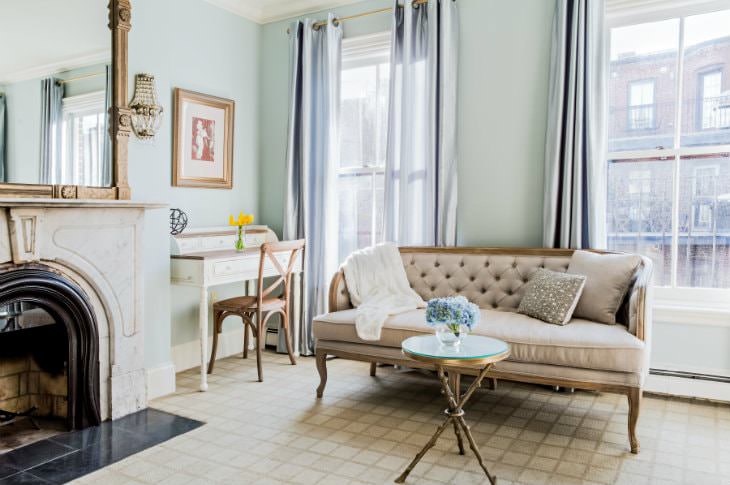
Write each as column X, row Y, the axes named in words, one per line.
column 337, row 20
column 80, row 77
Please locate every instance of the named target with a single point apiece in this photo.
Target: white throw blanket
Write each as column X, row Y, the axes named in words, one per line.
column 378, row 287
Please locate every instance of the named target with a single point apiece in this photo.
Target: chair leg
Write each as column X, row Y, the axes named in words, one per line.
column 217, row 325
column 321, row 358
column 246, row 331
column 634, row 396
column 259, row 345
column 287, row 337
column 373, row 367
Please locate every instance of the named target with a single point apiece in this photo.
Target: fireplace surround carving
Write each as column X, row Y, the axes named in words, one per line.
column 94, row 246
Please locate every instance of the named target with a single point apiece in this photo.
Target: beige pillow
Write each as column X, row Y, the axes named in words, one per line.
column 551, row 296
column 607, row 279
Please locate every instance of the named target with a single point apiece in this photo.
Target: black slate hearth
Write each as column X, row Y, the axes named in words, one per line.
column 68, row 456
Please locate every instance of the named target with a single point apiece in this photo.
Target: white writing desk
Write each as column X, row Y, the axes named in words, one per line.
column 201, row 258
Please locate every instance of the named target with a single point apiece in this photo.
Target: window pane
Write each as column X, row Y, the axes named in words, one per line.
column 356, row 212
column 640, row 211
column 642, row 85
column 706, row 92
column 363, row 115
column 704, row 221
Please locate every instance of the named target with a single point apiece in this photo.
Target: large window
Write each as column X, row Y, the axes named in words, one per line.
column 363, row 134
column 669, row 155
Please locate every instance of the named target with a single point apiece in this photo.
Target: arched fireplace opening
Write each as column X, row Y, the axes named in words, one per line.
column 48, row 320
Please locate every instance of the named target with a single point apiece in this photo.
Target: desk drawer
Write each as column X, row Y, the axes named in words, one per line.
column 221, row 242
column 235, row 266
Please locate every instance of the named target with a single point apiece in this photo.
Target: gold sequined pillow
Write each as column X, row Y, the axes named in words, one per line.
column 551, row 296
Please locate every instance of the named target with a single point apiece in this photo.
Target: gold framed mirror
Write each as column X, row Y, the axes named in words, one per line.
column 64, row 119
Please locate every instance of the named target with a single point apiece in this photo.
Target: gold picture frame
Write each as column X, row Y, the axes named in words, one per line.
column 202, row 154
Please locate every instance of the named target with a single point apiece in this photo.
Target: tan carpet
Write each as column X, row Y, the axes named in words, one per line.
column 366, row 430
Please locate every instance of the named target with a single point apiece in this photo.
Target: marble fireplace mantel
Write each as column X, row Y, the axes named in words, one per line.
column 97, row 245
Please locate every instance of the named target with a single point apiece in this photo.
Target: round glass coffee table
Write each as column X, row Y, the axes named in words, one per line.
column 475, row 351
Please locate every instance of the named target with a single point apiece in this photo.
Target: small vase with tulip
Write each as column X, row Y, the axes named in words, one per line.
column 241, row 222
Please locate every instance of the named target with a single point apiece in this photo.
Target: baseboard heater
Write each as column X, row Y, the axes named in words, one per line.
column 689, row 375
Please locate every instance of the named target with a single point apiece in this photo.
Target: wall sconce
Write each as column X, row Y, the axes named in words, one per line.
column 146, row 110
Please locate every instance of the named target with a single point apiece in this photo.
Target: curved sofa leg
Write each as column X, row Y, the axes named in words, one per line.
column 634, row 396
column 373, row 367
column 321, row 358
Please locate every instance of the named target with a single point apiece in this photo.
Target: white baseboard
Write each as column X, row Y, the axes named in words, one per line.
column 160, row 381
column 684, row 387
column 186, row 356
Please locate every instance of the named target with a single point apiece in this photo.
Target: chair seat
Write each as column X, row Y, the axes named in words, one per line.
column 248, row 303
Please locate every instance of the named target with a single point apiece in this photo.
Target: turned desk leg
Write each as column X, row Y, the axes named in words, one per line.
column 203, row 327
column 295, row 316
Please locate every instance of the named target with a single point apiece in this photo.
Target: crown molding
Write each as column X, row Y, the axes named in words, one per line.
column 239, row 8
column 44, row 70
column 264, row 14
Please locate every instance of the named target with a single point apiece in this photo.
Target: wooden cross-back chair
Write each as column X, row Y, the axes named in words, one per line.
column 255, row 311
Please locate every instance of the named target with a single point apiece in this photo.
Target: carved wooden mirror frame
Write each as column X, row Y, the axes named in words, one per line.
column 120, row 125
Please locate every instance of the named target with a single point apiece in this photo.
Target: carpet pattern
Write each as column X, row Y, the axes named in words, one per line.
column 366, row 429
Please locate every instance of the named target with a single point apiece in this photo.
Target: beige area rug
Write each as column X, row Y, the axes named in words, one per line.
column 366, row 430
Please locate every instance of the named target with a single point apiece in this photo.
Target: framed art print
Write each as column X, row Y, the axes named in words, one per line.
column 202, row 141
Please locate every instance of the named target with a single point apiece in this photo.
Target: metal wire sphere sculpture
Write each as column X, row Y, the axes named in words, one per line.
column 178, row 221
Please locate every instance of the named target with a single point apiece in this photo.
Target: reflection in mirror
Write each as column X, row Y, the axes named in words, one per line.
column 55, row 91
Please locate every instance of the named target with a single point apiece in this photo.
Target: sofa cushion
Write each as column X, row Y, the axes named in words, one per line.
column 551, row 296
column 608, row 277
column 582, row 344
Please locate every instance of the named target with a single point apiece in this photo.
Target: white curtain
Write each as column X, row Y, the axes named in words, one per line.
column 421, row 175
column 312, row 151
column 575, row 145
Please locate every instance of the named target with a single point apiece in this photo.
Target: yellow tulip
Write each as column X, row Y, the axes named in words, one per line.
column 249, row 219
column 231, row 221
column 240, row 219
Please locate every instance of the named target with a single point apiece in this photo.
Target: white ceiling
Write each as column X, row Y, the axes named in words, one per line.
column 265, row 11
column 36, row 37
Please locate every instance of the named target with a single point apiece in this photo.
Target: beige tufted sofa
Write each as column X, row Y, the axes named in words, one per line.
column 582, row 354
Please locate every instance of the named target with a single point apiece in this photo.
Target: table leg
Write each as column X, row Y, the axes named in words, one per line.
column 250, row 291
column 454, row 414
column 429, row 445
column 203, row 327
column 475, row 449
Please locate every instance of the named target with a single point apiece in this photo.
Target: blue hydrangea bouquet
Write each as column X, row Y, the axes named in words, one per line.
column 452, row 317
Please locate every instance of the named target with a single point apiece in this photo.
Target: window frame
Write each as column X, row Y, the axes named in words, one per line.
column 629, row 112
column 702, row 76
column 621, row 13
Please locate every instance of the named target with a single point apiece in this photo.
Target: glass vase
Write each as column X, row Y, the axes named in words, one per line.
column 451, row 334
column 240, row 244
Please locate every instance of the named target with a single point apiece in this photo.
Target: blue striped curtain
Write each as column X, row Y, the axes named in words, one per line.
column 51, row 121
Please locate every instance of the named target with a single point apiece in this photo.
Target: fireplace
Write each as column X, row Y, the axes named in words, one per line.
column 49, row 364
column 72, row 310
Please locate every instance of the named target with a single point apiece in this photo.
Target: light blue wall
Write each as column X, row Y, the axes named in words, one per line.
column 166, row 41
column 503, row 75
